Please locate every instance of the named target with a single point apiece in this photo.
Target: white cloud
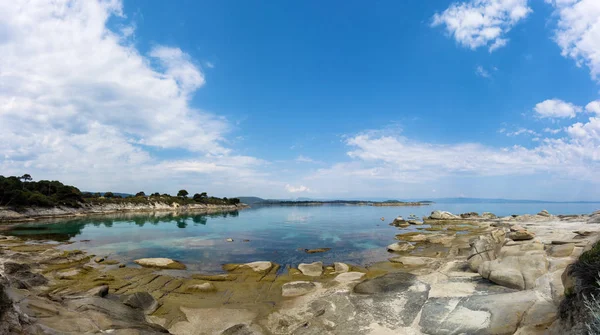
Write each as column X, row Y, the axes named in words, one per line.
column 304, row 159
column 78, row 102
column 479, row 23
column 552, row 131
column 593, row 107
column 296, row 189
column 556, row 108
column 578, row 32
column 481, row 72
column 522, row 131
column 390, row 163
column 210, row 65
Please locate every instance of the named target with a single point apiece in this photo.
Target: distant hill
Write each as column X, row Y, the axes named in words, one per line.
column 251, row 200
column 499, row 201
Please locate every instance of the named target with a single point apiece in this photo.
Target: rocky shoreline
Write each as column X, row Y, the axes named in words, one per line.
column 9, row 215
column 456, row 274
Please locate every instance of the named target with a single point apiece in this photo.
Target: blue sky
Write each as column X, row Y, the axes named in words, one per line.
column 399, row 99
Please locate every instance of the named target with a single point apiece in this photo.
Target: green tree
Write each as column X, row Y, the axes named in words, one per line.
column 182, row 194
column 109, row 195
column 140, row 194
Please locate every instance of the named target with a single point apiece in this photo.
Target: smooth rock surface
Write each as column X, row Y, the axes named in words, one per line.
column 297, row 288
column 400, row 247
column 312, row 270
column 163, row 263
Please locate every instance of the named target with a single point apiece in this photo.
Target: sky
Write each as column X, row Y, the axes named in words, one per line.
column 288, row 99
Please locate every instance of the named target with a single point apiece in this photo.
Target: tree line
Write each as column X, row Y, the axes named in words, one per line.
column 23, row 191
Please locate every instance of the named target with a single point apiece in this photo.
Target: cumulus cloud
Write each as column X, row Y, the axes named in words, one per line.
column 578, row 32
column 79, row 102
column 392, row 163
column 296, row 189
column 556, row 108
column 479, row 23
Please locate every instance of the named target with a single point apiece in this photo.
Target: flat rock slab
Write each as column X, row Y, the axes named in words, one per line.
column 163, row 263
column 203, row 288
column 349, row 277
column 312, row 270
column 143, row 301
column 297, row 288
column 411, row 260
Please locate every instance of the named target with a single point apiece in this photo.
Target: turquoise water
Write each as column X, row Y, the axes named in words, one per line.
column 355, row 234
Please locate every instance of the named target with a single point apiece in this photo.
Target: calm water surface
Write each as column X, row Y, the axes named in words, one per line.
column 356, row 234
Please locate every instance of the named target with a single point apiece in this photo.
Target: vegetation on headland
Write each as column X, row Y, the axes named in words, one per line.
column 20, row 192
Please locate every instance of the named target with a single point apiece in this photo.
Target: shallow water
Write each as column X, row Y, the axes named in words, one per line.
column 355, row 234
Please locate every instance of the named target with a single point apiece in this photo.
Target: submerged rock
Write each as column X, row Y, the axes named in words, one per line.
column 317, row 250
column 297, row 288
column 163, row 263
column 313, row 269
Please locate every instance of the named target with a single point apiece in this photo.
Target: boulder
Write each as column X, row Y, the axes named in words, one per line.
column 594, row 218
column 98, row 291
column 260, row 266
column 297, row 288
column 415, row 222
column 312, row 270
column 518, row 272
column 341, row 267
column 400, row 247
column 485, row 248
column 561, row 250
column 521, row 235
column 203, row 288
column 470, row 215
column 544, row 213
column 399, row 221
column 442, row 215
column 163, row 263
column 488, row 215
column 99, row 259
column 143, row 301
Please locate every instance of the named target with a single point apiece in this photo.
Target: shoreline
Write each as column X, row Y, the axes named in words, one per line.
column 31, row 214
column 505, row 274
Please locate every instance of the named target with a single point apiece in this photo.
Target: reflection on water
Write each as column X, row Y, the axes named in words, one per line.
column 355, row 234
